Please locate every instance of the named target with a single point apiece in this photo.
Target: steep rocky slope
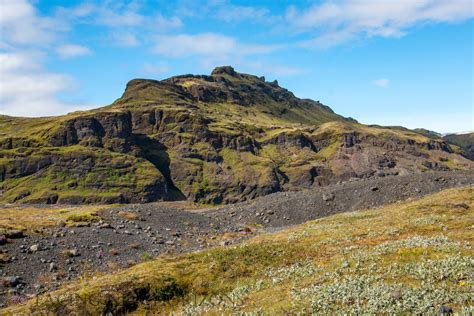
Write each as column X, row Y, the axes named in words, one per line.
column 221, row 138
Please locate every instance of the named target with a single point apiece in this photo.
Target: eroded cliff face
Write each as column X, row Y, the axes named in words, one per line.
column 222, row 138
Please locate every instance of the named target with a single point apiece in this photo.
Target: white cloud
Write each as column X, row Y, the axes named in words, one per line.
column 207, row 45
column 71, row 50
column 27, row 89
column 334, row 22
column 20, row 24
column 384, row 83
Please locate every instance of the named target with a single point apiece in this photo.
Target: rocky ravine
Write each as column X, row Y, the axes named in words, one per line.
column 41, row 263
column 224, row 138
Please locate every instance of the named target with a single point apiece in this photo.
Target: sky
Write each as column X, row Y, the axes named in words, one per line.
column 387, row 62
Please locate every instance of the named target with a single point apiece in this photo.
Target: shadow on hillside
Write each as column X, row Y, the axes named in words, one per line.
column 156, row 153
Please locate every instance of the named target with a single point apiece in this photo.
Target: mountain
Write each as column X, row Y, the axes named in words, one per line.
column 428, row 133
column 465, row 141
column 221, row 138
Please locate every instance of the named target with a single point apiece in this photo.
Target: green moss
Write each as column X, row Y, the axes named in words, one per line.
column 328, row 151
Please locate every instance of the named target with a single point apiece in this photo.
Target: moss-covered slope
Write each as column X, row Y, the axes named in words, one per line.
column 463, row 141
column 221, row 138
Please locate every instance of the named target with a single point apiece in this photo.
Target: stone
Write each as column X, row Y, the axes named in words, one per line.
column 15, row 234
column 445, row 310
column 52, row 267
column 34, row 248
column 328, row 197
column 72, row 252
column 11, row 281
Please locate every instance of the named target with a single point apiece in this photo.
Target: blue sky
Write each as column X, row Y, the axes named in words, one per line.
column 389, row 62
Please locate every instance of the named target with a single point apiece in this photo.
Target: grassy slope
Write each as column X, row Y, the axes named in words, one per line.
column 109, row 169
column 406, row 257
column 464, row 141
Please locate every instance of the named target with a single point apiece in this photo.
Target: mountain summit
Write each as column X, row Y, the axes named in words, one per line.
column 221, row 138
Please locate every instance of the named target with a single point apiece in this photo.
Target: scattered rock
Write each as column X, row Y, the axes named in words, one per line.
column 11, row 281
column 15, row 234
column 72, row 252
column 52, row 267
column 397, row 294
column 445, row 310
column 34, row 248
column 328, row 197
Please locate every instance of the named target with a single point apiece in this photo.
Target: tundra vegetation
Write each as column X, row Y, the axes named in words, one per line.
column 407, row 257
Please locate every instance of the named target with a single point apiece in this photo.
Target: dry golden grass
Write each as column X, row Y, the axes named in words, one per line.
column 131, row 216
column 31, row 219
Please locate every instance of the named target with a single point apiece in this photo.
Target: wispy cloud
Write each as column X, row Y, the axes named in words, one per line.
column 229, row 12
column 124, row 39
column 383, row 83
column 71, row 50
column 335, row 22
column 223, row 10
column 207, row 45
column 123, row 20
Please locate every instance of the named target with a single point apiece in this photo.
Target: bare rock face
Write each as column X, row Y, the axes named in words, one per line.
column 109, row 130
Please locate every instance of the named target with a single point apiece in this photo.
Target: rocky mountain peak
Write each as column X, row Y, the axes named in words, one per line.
column 228, row 70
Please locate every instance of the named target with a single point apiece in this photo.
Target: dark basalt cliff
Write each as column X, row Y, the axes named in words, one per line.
column 213, row 139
